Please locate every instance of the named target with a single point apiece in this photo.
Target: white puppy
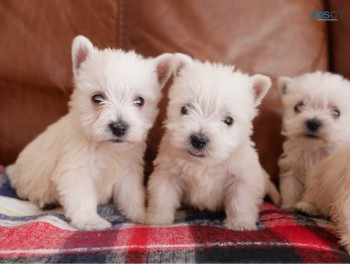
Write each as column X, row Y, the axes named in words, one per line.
column 327, row 192
column 206, row 158
column 315, row 124
column 96, row 150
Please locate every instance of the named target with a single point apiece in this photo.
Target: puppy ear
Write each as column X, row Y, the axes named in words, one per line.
column 261, row 85
column 81, row 49
column 180, row 60
column 163, row 67
column 283, row 83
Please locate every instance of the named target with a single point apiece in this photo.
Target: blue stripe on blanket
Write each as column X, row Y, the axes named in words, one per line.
column 5, row 186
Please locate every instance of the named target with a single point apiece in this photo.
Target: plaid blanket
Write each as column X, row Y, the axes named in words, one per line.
column 28, row 234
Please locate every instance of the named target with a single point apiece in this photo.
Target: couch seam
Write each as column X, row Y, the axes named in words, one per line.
column 328, row 41
column 121, row 24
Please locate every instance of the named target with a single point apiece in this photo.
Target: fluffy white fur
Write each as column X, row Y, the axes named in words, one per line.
column 314, row 96
column 78, row 161
column 226, row 173
column 327, row 192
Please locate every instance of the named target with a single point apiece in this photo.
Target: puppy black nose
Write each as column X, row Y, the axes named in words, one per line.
column 198, row 141
column 118, row 128
column 313, row 124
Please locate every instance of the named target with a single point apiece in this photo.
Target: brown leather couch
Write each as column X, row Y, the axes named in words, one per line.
column 269, row 37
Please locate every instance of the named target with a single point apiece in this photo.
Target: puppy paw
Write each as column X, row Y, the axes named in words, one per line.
column 347, row 247
column 91, row 223
column 137, row 217
column 288, row 208
column 240, row 225
column 159, row 219
column 308, row 208
column 345, row 242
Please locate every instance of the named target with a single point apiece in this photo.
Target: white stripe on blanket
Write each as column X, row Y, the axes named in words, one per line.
column 17, row 208
column 165, row 246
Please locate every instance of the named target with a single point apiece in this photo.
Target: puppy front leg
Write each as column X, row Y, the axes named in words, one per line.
column 341, row 215
column 291, row 191
column 164, row 197
column 129, row 194
column 242, row 205
column 78, row 197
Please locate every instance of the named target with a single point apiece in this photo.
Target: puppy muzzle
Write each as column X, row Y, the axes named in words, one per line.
column 197, row 143
column 313, row 127
column 119, row 130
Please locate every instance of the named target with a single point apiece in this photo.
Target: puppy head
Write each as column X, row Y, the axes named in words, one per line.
column 116, row 93
column 317, row 109
column 211, row 108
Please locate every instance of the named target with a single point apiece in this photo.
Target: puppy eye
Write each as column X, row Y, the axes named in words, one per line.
column 228, row 120
column 298, row 107
column 139, row 101
column 336, row 113
column 97, row 98
column 185, row 110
